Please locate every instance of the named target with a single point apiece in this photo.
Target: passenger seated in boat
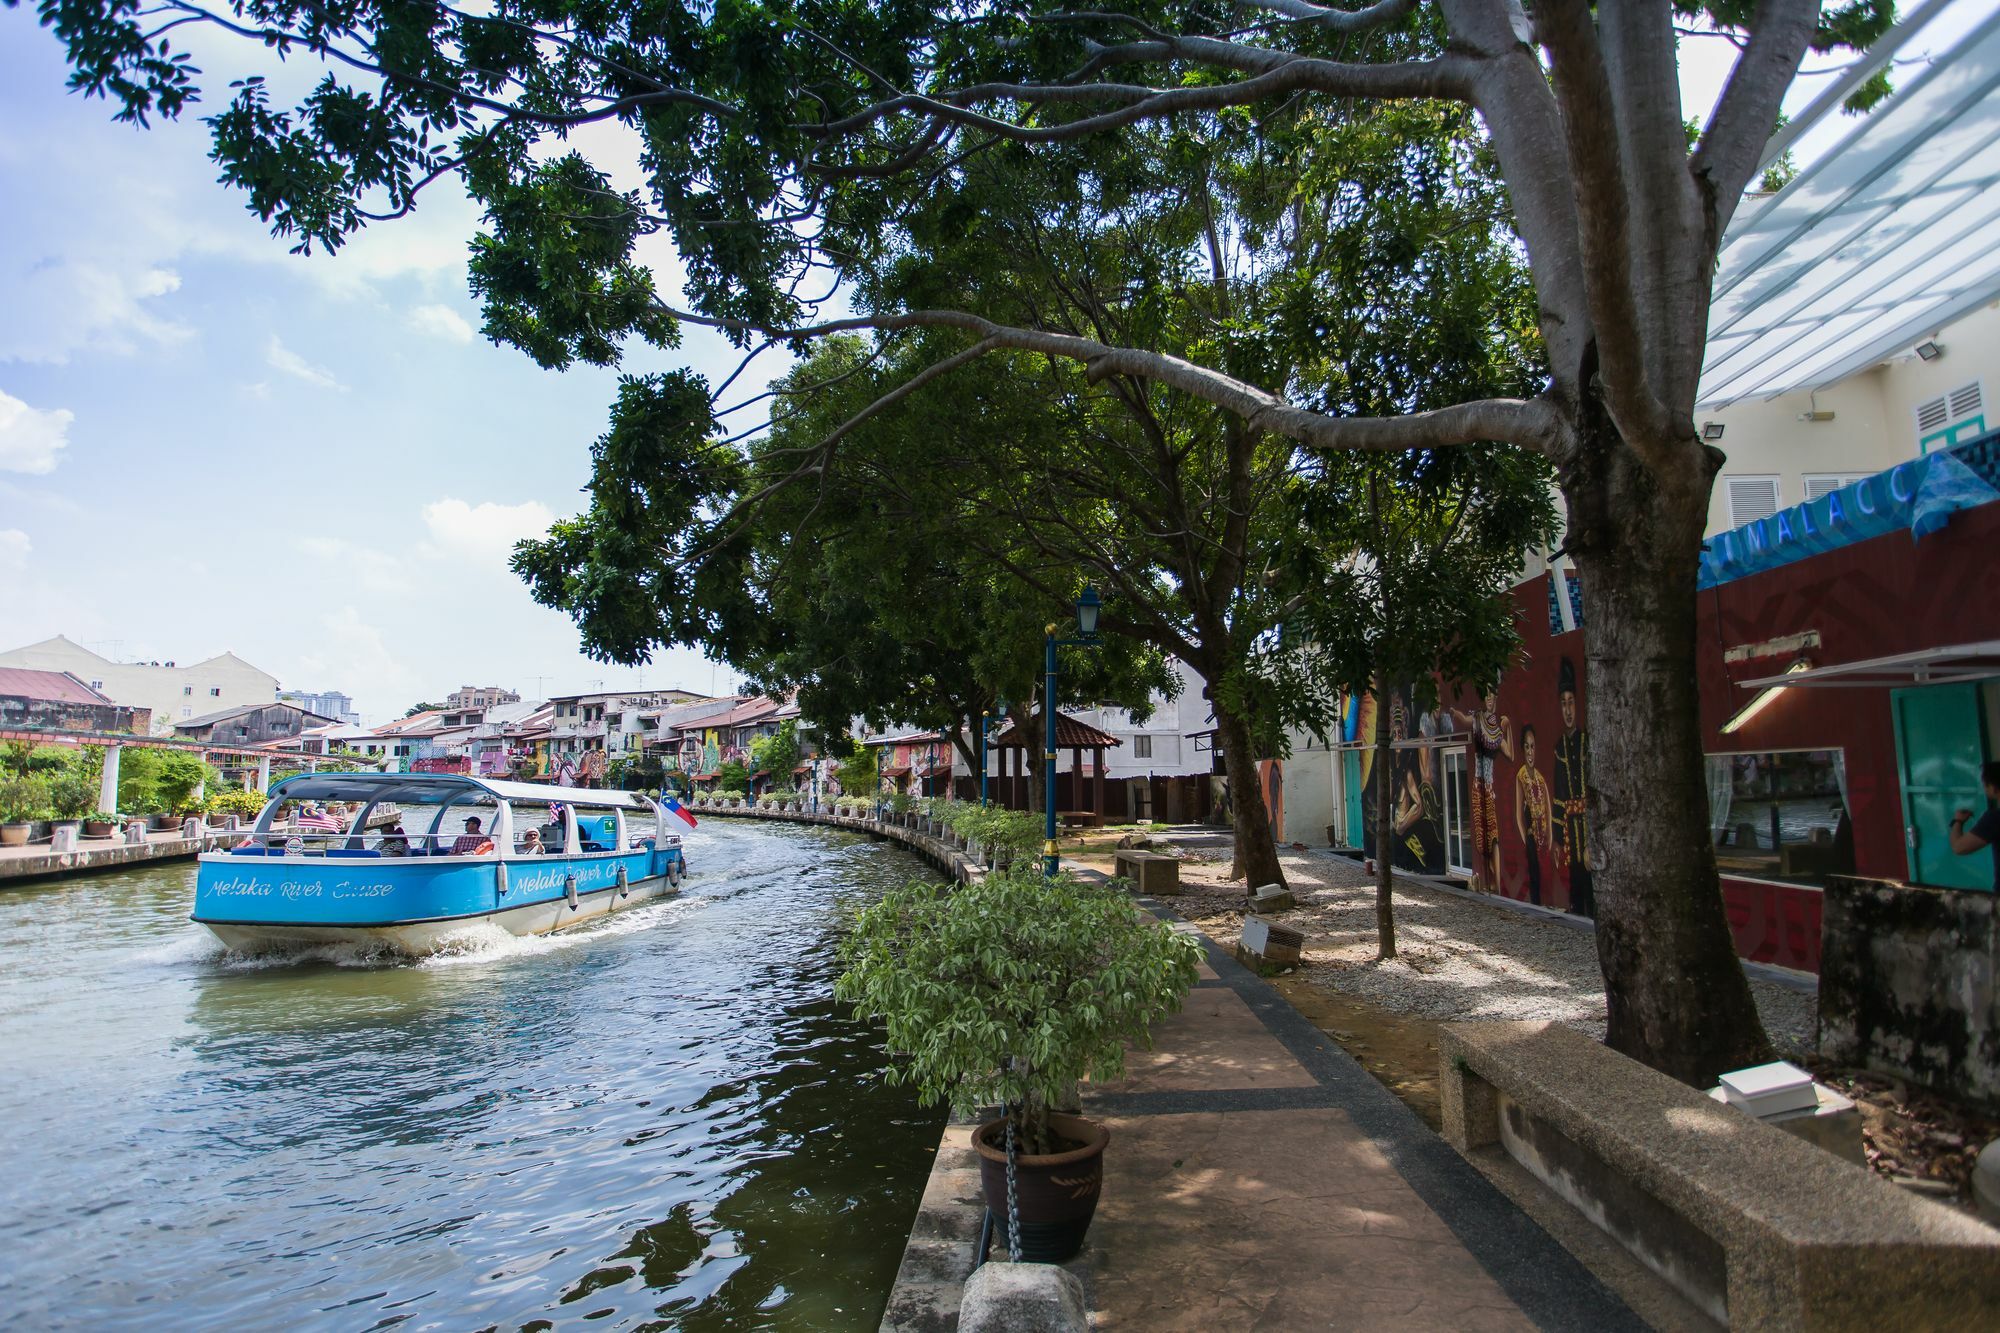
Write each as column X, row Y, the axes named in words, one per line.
column 394, row 842
column 531, row 844
column 472, row 842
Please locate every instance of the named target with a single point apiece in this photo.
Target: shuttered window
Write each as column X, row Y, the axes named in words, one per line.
column 1822, row 483
column 1951, row 418
column 1751, row 498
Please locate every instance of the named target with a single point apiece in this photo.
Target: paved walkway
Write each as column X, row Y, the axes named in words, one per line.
column 1259, row 1178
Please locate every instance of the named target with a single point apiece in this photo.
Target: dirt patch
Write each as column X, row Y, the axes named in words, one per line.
column 1400, row 1051
column 1911, row 1135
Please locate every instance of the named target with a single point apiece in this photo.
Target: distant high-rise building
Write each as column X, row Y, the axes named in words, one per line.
column 331, row 703
column 479, row 696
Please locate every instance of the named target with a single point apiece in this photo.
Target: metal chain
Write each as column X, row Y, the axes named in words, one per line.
column 1013, row 1203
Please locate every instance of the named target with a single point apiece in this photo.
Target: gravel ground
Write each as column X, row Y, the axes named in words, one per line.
column 1459, row 959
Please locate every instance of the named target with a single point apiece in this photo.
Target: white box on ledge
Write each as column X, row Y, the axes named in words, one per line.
column 1769, row 1089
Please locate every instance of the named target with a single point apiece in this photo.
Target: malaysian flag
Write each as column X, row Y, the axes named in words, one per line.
column 316, row 819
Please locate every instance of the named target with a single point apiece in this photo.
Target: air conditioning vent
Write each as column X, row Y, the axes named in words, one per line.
column 1933, row 414
column 1751, row 498
column 1827, row 483
column 1965, row 400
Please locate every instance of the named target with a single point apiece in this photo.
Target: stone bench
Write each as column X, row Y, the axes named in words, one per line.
column 1759, row 1228
column 1150, row 872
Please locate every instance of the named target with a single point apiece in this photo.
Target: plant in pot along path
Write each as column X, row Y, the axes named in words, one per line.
column 23, row 800
column 72, row 795
column 1007, row 992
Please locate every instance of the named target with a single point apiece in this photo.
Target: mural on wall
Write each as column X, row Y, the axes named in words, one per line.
column 1271, row 776
column 1492, row 735
column 1416, row 808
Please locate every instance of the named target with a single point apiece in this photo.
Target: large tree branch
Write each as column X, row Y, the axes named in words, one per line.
column 1591, row 132
column 1747, row 112
column 1531, row 423
column 1328, row 19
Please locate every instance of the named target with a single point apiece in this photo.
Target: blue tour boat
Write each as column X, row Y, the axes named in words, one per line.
column 539, row 858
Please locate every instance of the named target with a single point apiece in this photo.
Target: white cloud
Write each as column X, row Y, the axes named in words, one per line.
column 485, row 533
column 31, row 438
column 14, row 548
column 354, row 654
column 287, row 362
column 60, row 306
column 441, row 321
column 342, row 564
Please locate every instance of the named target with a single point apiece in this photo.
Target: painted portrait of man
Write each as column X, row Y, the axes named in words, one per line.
column 1572, row 796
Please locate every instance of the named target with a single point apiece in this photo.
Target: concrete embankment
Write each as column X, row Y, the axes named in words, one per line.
column 41, row 861
column 936, row 850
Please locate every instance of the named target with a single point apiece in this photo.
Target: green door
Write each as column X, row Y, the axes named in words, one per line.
column 1940, row 744
column 1350, row 788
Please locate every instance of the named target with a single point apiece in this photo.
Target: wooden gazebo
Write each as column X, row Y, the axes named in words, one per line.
column 1072, row 735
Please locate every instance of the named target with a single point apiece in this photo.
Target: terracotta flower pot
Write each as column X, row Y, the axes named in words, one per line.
column 15, row 835
column 98, row 828
column 1056, row 1193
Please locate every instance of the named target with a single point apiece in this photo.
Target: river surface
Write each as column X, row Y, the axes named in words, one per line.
column 658, row 1121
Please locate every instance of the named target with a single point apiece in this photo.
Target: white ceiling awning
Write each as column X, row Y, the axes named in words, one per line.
column 1926, row 666
column 1875, row 246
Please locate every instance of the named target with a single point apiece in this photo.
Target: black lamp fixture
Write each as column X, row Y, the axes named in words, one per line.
column 1087, row 608
column 1711, row 430
column 1928, row 350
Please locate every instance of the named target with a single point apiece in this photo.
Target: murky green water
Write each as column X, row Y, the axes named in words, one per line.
column 656, row 1122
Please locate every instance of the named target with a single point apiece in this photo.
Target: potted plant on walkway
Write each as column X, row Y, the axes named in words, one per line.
column 1008, row 991
column 100, row 824
column 72, row 795
column 23, row 800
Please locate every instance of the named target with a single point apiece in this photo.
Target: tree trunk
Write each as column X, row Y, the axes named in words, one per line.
column 1675, row 992
column 1256, row 859
column 1385, row 836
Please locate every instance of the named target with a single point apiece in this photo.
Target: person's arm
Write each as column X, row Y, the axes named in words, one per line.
column 1520, row 817
column 1965, row 841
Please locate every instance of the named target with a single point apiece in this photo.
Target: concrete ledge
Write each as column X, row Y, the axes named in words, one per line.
column 937, row 851
column 1760, row 1228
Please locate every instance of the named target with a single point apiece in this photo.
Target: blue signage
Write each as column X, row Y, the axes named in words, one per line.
column 1920, row 495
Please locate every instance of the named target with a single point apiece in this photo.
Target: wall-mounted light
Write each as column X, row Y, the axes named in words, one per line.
column 1765, row 698
column 1928, row 350
column 1711, row 430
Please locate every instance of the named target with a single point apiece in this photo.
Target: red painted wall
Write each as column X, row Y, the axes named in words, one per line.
column 1873, row 599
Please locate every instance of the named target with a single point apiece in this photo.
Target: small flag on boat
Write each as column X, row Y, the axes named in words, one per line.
column 318, row 820
column 673, row 806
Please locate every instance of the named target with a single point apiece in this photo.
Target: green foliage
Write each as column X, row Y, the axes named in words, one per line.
column 1010, row 989
column 72, row 793
column 161, row 781
column 24, row 758
column 779, row 752
column 414, row 709
column 726, row 794
column 733, row 775
column 859, row 774
column 1016, row 832
column 24, row 800
column 237, row 802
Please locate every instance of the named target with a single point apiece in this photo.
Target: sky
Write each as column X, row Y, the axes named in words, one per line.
column 208, row 443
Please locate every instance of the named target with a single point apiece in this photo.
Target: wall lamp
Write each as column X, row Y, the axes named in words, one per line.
column 1765, row 698
column 1928, row 350
column 1711, row 430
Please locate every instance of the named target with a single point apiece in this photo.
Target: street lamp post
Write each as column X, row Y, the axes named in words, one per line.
column 1087, row 608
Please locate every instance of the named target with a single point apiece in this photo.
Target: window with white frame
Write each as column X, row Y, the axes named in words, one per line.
column 1825, row 483
column 1751, row 498
column 1945, row 420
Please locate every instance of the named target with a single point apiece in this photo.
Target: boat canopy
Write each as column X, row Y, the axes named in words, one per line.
column 441, row 788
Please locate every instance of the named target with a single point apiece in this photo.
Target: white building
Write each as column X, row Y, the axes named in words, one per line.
column 327, row 703
column 174, row 693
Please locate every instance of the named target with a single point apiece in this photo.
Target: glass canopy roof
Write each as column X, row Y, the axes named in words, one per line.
column 1872, row 248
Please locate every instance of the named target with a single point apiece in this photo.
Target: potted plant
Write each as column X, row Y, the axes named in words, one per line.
column 72, row 795
column 1006, row 992
column 100, row 824
column 23, row 800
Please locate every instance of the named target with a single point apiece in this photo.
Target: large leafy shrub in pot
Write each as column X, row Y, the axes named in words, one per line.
column 23, row 800
column 1011, row 989
column 72, row 794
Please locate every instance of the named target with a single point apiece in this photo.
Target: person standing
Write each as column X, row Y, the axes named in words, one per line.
column 1985, row 831
column 1572, row 797
column 1532, row 817
column 1492, row 737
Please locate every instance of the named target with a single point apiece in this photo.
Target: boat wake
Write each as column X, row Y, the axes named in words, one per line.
column 484, row 942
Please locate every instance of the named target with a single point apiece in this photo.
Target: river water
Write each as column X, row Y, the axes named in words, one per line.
column 655, row 1122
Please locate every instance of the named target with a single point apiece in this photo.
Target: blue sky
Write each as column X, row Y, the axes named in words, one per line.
column 207, row 443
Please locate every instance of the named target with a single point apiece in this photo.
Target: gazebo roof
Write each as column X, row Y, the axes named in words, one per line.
column 1071, row 734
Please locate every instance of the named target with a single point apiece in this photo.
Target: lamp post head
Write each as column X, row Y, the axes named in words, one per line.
column 1087, row 608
